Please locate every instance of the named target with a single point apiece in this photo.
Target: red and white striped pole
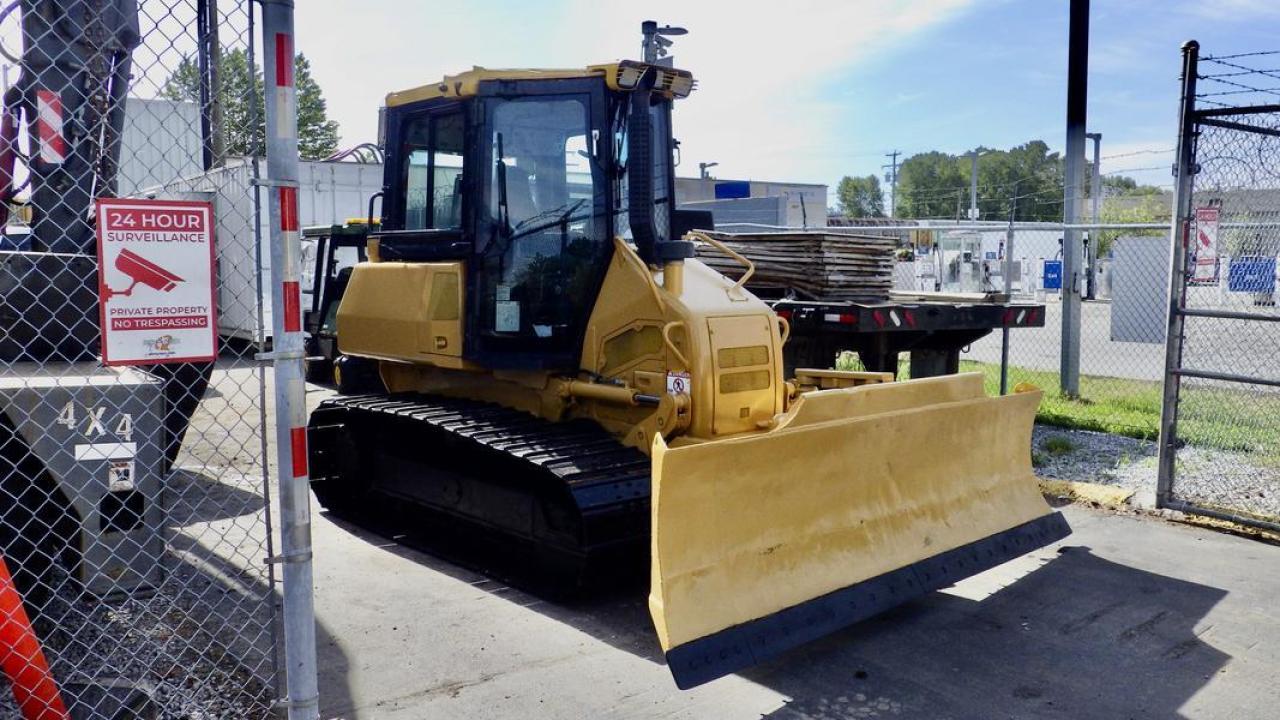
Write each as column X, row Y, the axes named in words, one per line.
column 302, row 695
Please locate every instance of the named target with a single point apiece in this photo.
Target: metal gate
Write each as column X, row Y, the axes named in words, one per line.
column 1220, row 423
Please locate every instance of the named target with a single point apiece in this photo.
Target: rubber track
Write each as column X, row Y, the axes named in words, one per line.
column 598, row 469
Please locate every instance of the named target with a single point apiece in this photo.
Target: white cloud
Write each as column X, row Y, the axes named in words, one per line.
column 763, row 108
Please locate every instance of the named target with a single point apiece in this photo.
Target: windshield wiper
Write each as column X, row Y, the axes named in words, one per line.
column 561, row 219
column 500, row 169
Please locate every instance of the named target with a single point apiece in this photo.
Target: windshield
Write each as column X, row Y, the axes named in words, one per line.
column 544, row 193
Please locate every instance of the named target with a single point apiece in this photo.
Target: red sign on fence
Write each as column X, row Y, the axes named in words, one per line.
column 156, row 292
column 1206, row 249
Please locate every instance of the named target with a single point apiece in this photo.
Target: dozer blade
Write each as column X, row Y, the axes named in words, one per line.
column 860, row 499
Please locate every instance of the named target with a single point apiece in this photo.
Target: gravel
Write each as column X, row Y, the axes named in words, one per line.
column 198, row 646
column 1096, row 457
column 1224, row 479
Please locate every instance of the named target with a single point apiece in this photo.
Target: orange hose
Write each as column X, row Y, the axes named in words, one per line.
column 22, row 660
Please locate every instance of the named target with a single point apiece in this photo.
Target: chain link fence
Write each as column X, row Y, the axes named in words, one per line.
column 1221, row 443
column 134, row 499
column 1122, row 325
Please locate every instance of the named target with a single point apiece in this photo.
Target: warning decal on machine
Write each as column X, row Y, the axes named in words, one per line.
column 678, row 383
column 156, row 292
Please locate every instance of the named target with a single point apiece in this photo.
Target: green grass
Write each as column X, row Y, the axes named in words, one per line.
column 1058, row 445
column 1215, row 417
column 1220, row 418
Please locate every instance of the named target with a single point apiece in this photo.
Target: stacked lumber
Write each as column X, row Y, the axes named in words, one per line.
column 826, row 266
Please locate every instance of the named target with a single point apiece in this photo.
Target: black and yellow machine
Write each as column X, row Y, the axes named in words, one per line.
column 560, row 373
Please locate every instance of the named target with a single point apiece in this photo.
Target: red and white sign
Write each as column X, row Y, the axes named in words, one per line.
column 1206, row 249
column 155, row 281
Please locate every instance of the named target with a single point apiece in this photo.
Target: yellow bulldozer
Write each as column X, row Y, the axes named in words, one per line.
column 555, row 370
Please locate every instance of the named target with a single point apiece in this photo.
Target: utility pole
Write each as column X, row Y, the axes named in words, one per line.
column 1095, row 194
column 891, row 177
column 703, row 167
column 973, row 185
column 1073, row 195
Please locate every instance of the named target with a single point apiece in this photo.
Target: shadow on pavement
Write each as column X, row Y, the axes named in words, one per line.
column 1077, row 637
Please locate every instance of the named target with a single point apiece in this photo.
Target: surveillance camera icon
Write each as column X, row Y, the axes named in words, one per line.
column 142, row 270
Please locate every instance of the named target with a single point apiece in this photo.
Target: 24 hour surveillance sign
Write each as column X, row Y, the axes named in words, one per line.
column 156, row 292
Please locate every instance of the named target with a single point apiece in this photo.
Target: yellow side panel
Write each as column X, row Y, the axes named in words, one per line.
column 744, row 372
column 744, row 527
column 403, row 311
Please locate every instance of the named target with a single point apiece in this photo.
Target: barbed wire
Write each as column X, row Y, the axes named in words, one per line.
column 1243, row 89
column 1220, row 58
column 1137, row 152
column 1240, row 70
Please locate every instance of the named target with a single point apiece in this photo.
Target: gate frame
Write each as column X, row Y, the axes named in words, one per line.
column 1190, row 119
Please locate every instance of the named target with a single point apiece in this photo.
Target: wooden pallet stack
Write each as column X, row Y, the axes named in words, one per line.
column 827, row 266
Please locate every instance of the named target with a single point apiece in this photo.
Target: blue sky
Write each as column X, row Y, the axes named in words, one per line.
column 811, row 90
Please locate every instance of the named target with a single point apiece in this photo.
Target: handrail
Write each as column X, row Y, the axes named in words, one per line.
column 786, row 329
column 666, row 338
column 750, row 266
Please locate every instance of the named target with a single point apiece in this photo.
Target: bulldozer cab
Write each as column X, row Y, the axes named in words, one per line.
column 526, row 177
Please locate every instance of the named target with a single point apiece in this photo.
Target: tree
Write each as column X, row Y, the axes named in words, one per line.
column 317, row 135
column 930, row 185
column 860, row 197
column 1116, row 185
column 1125, row 201
column 936, row 184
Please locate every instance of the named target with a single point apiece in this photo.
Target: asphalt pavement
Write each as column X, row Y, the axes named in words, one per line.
column 1242, row 347
column 1129, row 617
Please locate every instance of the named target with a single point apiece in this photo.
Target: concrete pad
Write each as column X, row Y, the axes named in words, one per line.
column 1130, row 617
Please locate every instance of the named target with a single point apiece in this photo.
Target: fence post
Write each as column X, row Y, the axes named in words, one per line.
column 302, row 695
column 1179, row 233
column 1008, row 290
column 1077, row 93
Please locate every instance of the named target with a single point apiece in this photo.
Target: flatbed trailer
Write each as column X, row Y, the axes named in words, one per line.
column 932, row 327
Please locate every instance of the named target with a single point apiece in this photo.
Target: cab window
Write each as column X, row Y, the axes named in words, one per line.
column 433, row 172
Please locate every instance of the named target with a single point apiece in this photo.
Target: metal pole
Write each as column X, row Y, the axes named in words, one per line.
column 973, row 186
column 1077, row 108
column 1008, row 290
column 1095, row 194
column 302, row 695
column 893, row 180
column 648, row 46
column 1179, row 233
column 217, row 145
column 202, row 66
